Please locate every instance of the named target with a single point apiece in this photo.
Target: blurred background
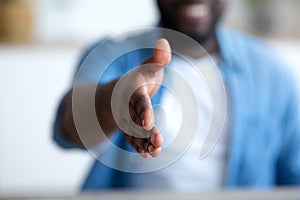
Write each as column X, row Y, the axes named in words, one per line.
column 40, row 43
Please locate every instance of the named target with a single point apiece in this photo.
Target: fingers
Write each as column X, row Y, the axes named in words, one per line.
column 156, row 139
column 145, row 146
column 153, row 151
column 143, row 108
column 138, row 144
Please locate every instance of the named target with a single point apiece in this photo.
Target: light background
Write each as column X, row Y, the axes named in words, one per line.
column 33, row 77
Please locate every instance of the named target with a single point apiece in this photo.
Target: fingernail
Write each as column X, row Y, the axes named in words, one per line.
column 144, row 153
column 152, row 139
column 150, row 149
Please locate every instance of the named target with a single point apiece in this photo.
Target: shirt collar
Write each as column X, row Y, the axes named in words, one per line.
column 231, row 46
column 226, row 43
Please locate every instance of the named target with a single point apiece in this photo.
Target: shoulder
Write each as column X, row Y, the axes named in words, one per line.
column 113, row 56
column 125, row 42
column 266, row 75
column 129, row 46
column 245, row 47
column 254, row 56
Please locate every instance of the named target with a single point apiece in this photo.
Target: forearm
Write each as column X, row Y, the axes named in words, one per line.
column 89, row 137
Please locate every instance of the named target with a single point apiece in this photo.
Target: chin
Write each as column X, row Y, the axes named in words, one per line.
column 201, row 35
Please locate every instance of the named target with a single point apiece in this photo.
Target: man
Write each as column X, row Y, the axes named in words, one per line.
column 263, row 133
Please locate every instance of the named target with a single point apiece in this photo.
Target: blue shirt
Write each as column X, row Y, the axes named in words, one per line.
column 264, row 132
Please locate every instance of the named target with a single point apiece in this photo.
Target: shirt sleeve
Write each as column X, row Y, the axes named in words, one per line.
column 58, row 136
column 288, row 165
column 100, row 64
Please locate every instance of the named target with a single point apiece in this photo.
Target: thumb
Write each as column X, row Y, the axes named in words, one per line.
column 161, row 54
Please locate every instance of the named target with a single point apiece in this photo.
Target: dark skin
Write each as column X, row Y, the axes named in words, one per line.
column 201, row 28
column 178, row 15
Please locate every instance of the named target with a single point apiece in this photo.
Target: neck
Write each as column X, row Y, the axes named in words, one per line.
column 210, row 44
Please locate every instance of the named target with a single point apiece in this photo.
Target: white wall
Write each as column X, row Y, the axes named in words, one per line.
column 73, row 20
column 32, row 79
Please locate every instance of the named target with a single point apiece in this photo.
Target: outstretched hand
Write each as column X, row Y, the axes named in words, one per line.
column 147, row 78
